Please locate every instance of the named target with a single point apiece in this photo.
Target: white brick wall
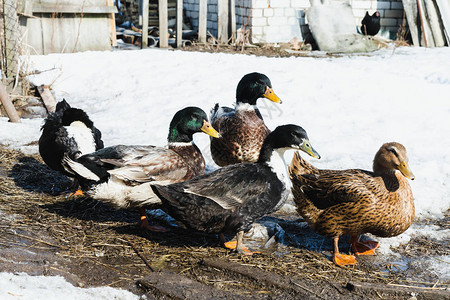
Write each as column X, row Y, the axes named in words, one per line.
column 274, row 21
column 260, row 4
column 279, row 3
column 268, row 12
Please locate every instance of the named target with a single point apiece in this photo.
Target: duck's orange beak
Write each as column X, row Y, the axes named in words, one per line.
column 270, row 94
column 209, row 130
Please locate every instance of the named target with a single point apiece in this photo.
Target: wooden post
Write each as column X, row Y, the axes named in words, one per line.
column 7, row 105
column 11, row 24
column 112, row 21
column 163, row 24
column 202, row 20
column 47, row 98
column 233, row 20
column 144, row 43
column 422, row 19
column 222, row 21
column 179, row 22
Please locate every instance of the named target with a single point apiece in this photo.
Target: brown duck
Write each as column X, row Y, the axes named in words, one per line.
column 354, row 202
column 243, row 130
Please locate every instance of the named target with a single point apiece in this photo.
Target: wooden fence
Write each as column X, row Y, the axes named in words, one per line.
column 226, row 22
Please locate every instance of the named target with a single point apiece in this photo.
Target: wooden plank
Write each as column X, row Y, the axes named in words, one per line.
column 163, row 24
column 144, row 11
column 202, row 20
column 426, row 33
column 437, row 31
column 74, row 9
column 112, row 21
column 222, row 21
column 47, row 98
column 7, row 105
column 179, row 23
column 233, row 20
column 11, row 26
column 410, row 7
column 73, row 35
column 444, row 10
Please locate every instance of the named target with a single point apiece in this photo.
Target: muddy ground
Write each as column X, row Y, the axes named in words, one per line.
column 91, row 244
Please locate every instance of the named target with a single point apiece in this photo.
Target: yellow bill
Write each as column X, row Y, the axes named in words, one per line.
column 406, row 171
column 306, row 147
column 209, row 130
column 269, row 94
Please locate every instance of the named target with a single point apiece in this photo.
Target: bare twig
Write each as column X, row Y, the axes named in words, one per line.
column 139, row 254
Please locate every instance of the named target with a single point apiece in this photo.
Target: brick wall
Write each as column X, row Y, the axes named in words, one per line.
column 273, row 21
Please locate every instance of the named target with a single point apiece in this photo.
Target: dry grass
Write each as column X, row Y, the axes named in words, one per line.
column 89, row 233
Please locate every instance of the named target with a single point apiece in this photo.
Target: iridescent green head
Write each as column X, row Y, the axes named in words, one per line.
column 188, row 121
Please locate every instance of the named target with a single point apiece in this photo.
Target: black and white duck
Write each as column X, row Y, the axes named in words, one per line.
column 242, row 128
column 230, row 199
column 67, row 131
column 121, row 175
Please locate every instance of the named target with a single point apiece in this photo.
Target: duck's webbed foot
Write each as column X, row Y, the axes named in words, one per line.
column 145, row 225
column 365, row 247
column 237, row 245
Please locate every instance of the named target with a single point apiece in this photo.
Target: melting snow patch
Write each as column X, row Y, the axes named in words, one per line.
column 23, row 286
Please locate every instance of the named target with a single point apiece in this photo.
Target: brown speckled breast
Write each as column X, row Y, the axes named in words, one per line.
column 193, row 158
column 385, row 214
column 242, row 137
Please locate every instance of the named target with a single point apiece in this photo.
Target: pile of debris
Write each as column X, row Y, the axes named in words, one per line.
column 130, row 33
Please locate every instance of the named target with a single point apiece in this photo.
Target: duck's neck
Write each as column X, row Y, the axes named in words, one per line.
column 175, row 136
column 380, row 169
column 276, row 162
column 243, row 107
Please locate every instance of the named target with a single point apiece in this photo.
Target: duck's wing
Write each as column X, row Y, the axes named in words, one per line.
column 144, row 163
column 229, row 187
column 326, row 188
column 218, row 114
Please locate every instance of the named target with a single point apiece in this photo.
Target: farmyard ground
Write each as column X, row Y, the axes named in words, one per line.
column 349, row 105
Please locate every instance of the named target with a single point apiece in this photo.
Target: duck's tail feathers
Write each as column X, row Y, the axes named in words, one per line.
column 213, row 112
column 78, row 169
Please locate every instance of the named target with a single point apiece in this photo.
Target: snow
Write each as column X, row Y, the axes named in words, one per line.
column 349, row 105
column 23, row 286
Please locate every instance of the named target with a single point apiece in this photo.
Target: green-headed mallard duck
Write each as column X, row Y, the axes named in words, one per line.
column 243, row 130
column 355, row 201
column 121, row 175
column 230, row 199
column 67, row 131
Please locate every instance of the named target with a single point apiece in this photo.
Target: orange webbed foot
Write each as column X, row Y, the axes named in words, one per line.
column 244, row 250
column 365, row 248
column 344, row 259
column 154, row 228
column 76, row 194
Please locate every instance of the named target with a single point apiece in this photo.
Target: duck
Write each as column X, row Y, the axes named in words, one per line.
column 242, row 128
column 233, row 197
column 121, row 175
column 355, row 201
column 67, row 131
